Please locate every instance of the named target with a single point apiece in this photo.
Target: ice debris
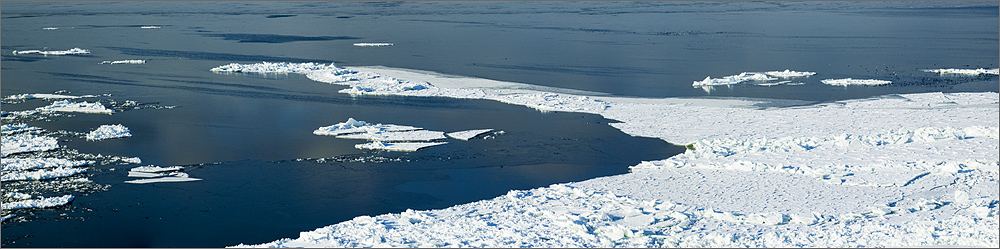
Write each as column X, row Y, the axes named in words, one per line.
column 733, row 79
column 124, row 62
column 66, row 52
column 67, row 106
column 279, row 67
column 850, row 81
column 27, row 143
column 109, row 132
column 789, row 74
column 373, row 44
column 354, row 126
column 155, row 169
column 18, row 128
column 159, row 174
column 40, row 163
column 469, row 134
column 995, row 71
column 40, row 174
column 397, row 136
column 149, row 27
column 45, row 96
column 43, row 202
column 402, row 146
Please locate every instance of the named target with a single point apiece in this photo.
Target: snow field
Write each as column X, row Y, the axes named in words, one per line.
column 108, row 132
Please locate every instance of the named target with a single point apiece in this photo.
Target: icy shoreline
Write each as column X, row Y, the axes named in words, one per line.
column 897, row 170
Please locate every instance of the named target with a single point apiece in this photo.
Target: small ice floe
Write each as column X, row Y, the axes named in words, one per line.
column 149, row 27
column 995, row 71
column 43, row 202
column 373, row 44
column 45, row 96
column 40, row 163
column 50, row 28
column 109, row 132
column 397, row 136
column 66, row 52
column 849, row 81
column 354, row 126
column 67, row 106
column 27, row 143
column 5, row 217
column 19, row 128
column 40, row 174
column 733, row 79
column 469, row 134
column 279, row 67
column 159, row 174
column 404, row 146
column 124, row 62
column 789, row 74
column 17, row 195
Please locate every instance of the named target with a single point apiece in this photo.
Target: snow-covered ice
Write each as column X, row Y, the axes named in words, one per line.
column 155, row 169
column 850, row 81
column 171, row 177
column 156, row 174
column 397, row 136
column 789, row 74
column 124, row 62
column 373, row 44
column 44, row 202
column 899, row 170
column 40, row 174
column 45, row 96
column 21, row 143
column 466, row 135
column 66, row 52
column 400, row 146
column 149, row 27
column 68, row 106
column 354, row 126
column 109, row 132
column 995, row 71
column 732, row 79
column 18, row 128
column 40, row 163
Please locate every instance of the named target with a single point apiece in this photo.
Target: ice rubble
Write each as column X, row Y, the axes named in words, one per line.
column 18, row 128
column 466, row 135
column 850, row 81
column 21, row 143
column 778, row 177
column 40, row 174
column 373, row 44
column 124, row 62
column 995, row 71
column 43, row 202
column 66, row 52
column 67, row 106
column 40, row 163
column 109, row 132
column 401, row 146
column 159, row 174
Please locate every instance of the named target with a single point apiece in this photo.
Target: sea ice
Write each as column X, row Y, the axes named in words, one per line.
column 149, row 27
column 469, row 134
column 849, row 81
column 18, row 128
column 39, row 163
column 397, row 136
column 995, row 71
column 403, row 146
column 40, row 174
column 789, row 74
column 280, row 67
column 67, row 106
column 155, row 169
column 27, row 143
column 45, row 96
column 373, row 44
column 44, row 202
column 174, row 177
column 17, row 195
column 109, row 132
column 733, row 79
column 355, row 126
column 159, row 174
column 124, row 62
column 71, row 51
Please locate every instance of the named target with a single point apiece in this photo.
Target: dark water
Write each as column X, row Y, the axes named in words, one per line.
column 267, row 177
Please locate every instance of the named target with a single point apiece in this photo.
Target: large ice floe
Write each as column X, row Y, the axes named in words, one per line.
column 66, row 52
column 850, row 81
column 109, row 132
column 385, row 136
column 155, row 174
column 22, row 143
column 995, row 71
column 901, row 170
column 68, row 106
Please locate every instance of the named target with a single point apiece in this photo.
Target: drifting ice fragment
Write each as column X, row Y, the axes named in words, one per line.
column 734, row 79
column 109, row 132
column 124, row 62
column 180, row 177
column 373, row 44
column 44, row 202
column 398, row 136
column 17, row 128
column 355, row 126
column 995, row 71
column 849, row 81
column 40, row 174
column 67, row 106
column 40, row 163
column 71, row 51
column 161, row 174
column 45, row 96
column 411, row 146
column 469, row 134
column 149, row 27
column 155, row 169
column 27, row 143
column 789, row 74
column 279, row 67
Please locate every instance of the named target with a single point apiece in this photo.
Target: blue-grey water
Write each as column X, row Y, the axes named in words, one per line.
column 266, row 176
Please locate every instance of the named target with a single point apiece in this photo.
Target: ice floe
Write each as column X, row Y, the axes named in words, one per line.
column 149, row 27
column 469, row 134
column 109, row 132
column 850, row 81
column 789, row 74
column 40, row 174
column 40, row 163
column 397, row 136
column 400, row 146
column 44, row 202
column 45, row 96
column 155, row 169
column 21, row 143
column 733, row 79
column 124, row 62
column 373, row 44
column 995, row 71
column 892, row 171
column 66, row 52
column 68, row 106
column 354, row 126
column 279, row 67
column 18, row 128
column 159, row 174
